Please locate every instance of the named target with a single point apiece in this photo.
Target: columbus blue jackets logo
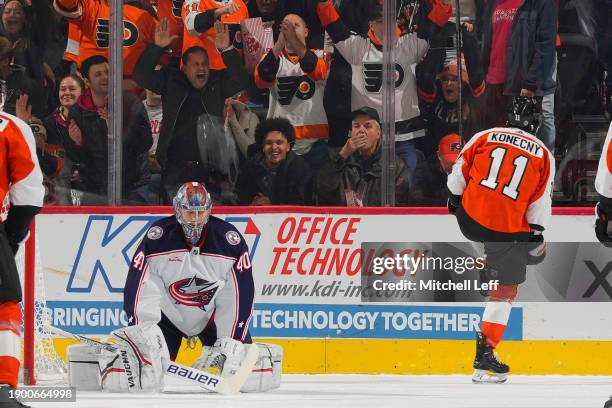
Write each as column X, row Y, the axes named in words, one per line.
column 155, row 232
column 301, row 87
column 193, row 292
column 130, row 33
column 373, row 76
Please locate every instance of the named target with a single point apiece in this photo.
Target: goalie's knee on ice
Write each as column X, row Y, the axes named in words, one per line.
column 266, row 375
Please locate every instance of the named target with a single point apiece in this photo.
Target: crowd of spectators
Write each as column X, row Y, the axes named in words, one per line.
column 278, row 102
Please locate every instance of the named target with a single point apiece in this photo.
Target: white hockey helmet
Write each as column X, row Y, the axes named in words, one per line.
column 192, row 207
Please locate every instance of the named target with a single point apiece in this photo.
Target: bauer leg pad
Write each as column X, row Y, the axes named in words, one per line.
column 266, row 375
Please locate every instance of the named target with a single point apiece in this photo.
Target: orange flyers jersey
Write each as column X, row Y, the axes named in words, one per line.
column 603, row 181
column 73, row 44
column 191, row 37
column 92, row 19
column 505, row 177
column 20, row 173
column 298, row 96
column 172, row 9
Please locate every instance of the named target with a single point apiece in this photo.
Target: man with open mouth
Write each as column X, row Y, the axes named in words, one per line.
column 187, row 94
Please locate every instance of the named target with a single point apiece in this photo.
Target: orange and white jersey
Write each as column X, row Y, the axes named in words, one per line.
column 206, row 40
column 20, row 173
column 298, row 96
column 505, row 177
column 603, row 181
column 91, row 36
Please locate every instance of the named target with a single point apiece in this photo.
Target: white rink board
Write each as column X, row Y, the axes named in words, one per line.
column 88, row 259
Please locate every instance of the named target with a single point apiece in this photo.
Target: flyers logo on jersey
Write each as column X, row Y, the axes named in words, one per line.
column 130, row 33
column 373, row 76
column 177, row 6
column 193, row 291
column 301, row 87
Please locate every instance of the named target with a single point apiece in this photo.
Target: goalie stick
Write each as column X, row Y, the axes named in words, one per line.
column 206, row 380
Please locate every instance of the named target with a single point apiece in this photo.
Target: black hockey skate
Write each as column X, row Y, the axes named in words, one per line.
column 6, row 401
column 487, row 367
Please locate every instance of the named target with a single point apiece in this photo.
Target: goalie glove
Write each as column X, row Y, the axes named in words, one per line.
column 536, row 247
column 136, row 365
column 603, row 226
column 223, row 359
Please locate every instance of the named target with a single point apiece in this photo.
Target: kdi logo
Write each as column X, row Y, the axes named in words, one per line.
column 106, row 249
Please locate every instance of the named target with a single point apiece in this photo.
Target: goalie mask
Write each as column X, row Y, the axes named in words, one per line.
column 192, row 207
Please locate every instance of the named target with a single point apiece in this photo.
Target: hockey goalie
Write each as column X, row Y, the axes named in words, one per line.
column 191, row 278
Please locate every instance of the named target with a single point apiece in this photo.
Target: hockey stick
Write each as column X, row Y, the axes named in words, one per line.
column 211, row 382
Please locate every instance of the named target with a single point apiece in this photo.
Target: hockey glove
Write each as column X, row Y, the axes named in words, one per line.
column 453, row 203
column 536, row 248
column 603, row 226
column 223, row 359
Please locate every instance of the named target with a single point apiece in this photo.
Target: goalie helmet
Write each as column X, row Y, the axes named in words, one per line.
column 525, row 113
column 192, row 207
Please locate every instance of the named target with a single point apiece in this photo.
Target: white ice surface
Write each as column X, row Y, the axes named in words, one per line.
column 373, row 391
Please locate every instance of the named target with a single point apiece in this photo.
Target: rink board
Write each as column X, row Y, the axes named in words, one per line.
column 311, row 307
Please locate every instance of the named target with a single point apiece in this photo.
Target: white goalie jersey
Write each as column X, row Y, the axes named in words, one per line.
column 190, row 285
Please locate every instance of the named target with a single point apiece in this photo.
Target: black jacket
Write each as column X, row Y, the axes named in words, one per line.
column 360, row 176
column 531, row 52
column 92, row 155
column 291, row 185
column 173, row 86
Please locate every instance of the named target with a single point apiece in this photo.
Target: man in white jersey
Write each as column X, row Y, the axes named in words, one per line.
column 296, row 77
column 365, row 57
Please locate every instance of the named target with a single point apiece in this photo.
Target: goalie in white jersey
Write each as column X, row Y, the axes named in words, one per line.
column 603, row 184
column 191, row 278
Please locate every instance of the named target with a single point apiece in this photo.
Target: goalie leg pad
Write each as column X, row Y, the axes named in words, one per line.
column 83, row 371
column 136, row 366
column 266, row 375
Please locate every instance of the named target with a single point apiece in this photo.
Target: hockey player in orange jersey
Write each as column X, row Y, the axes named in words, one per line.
column 89, row 29
column 603, row 185
column 500, row 190
column 199, row 17
column 21, row 178
column 603, row 210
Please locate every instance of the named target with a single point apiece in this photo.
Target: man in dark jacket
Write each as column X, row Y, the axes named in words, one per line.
column 187, row 94
column 353, row 176
column 88, row 137
column 518, row 53
column 275, row 175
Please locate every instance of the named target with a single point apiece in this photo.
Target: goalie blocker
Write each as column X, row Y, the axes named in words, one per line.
column 84, row 373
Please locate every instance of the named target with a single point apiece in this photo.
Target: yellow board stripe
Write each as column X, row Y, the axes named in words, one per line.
column 381, row 356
